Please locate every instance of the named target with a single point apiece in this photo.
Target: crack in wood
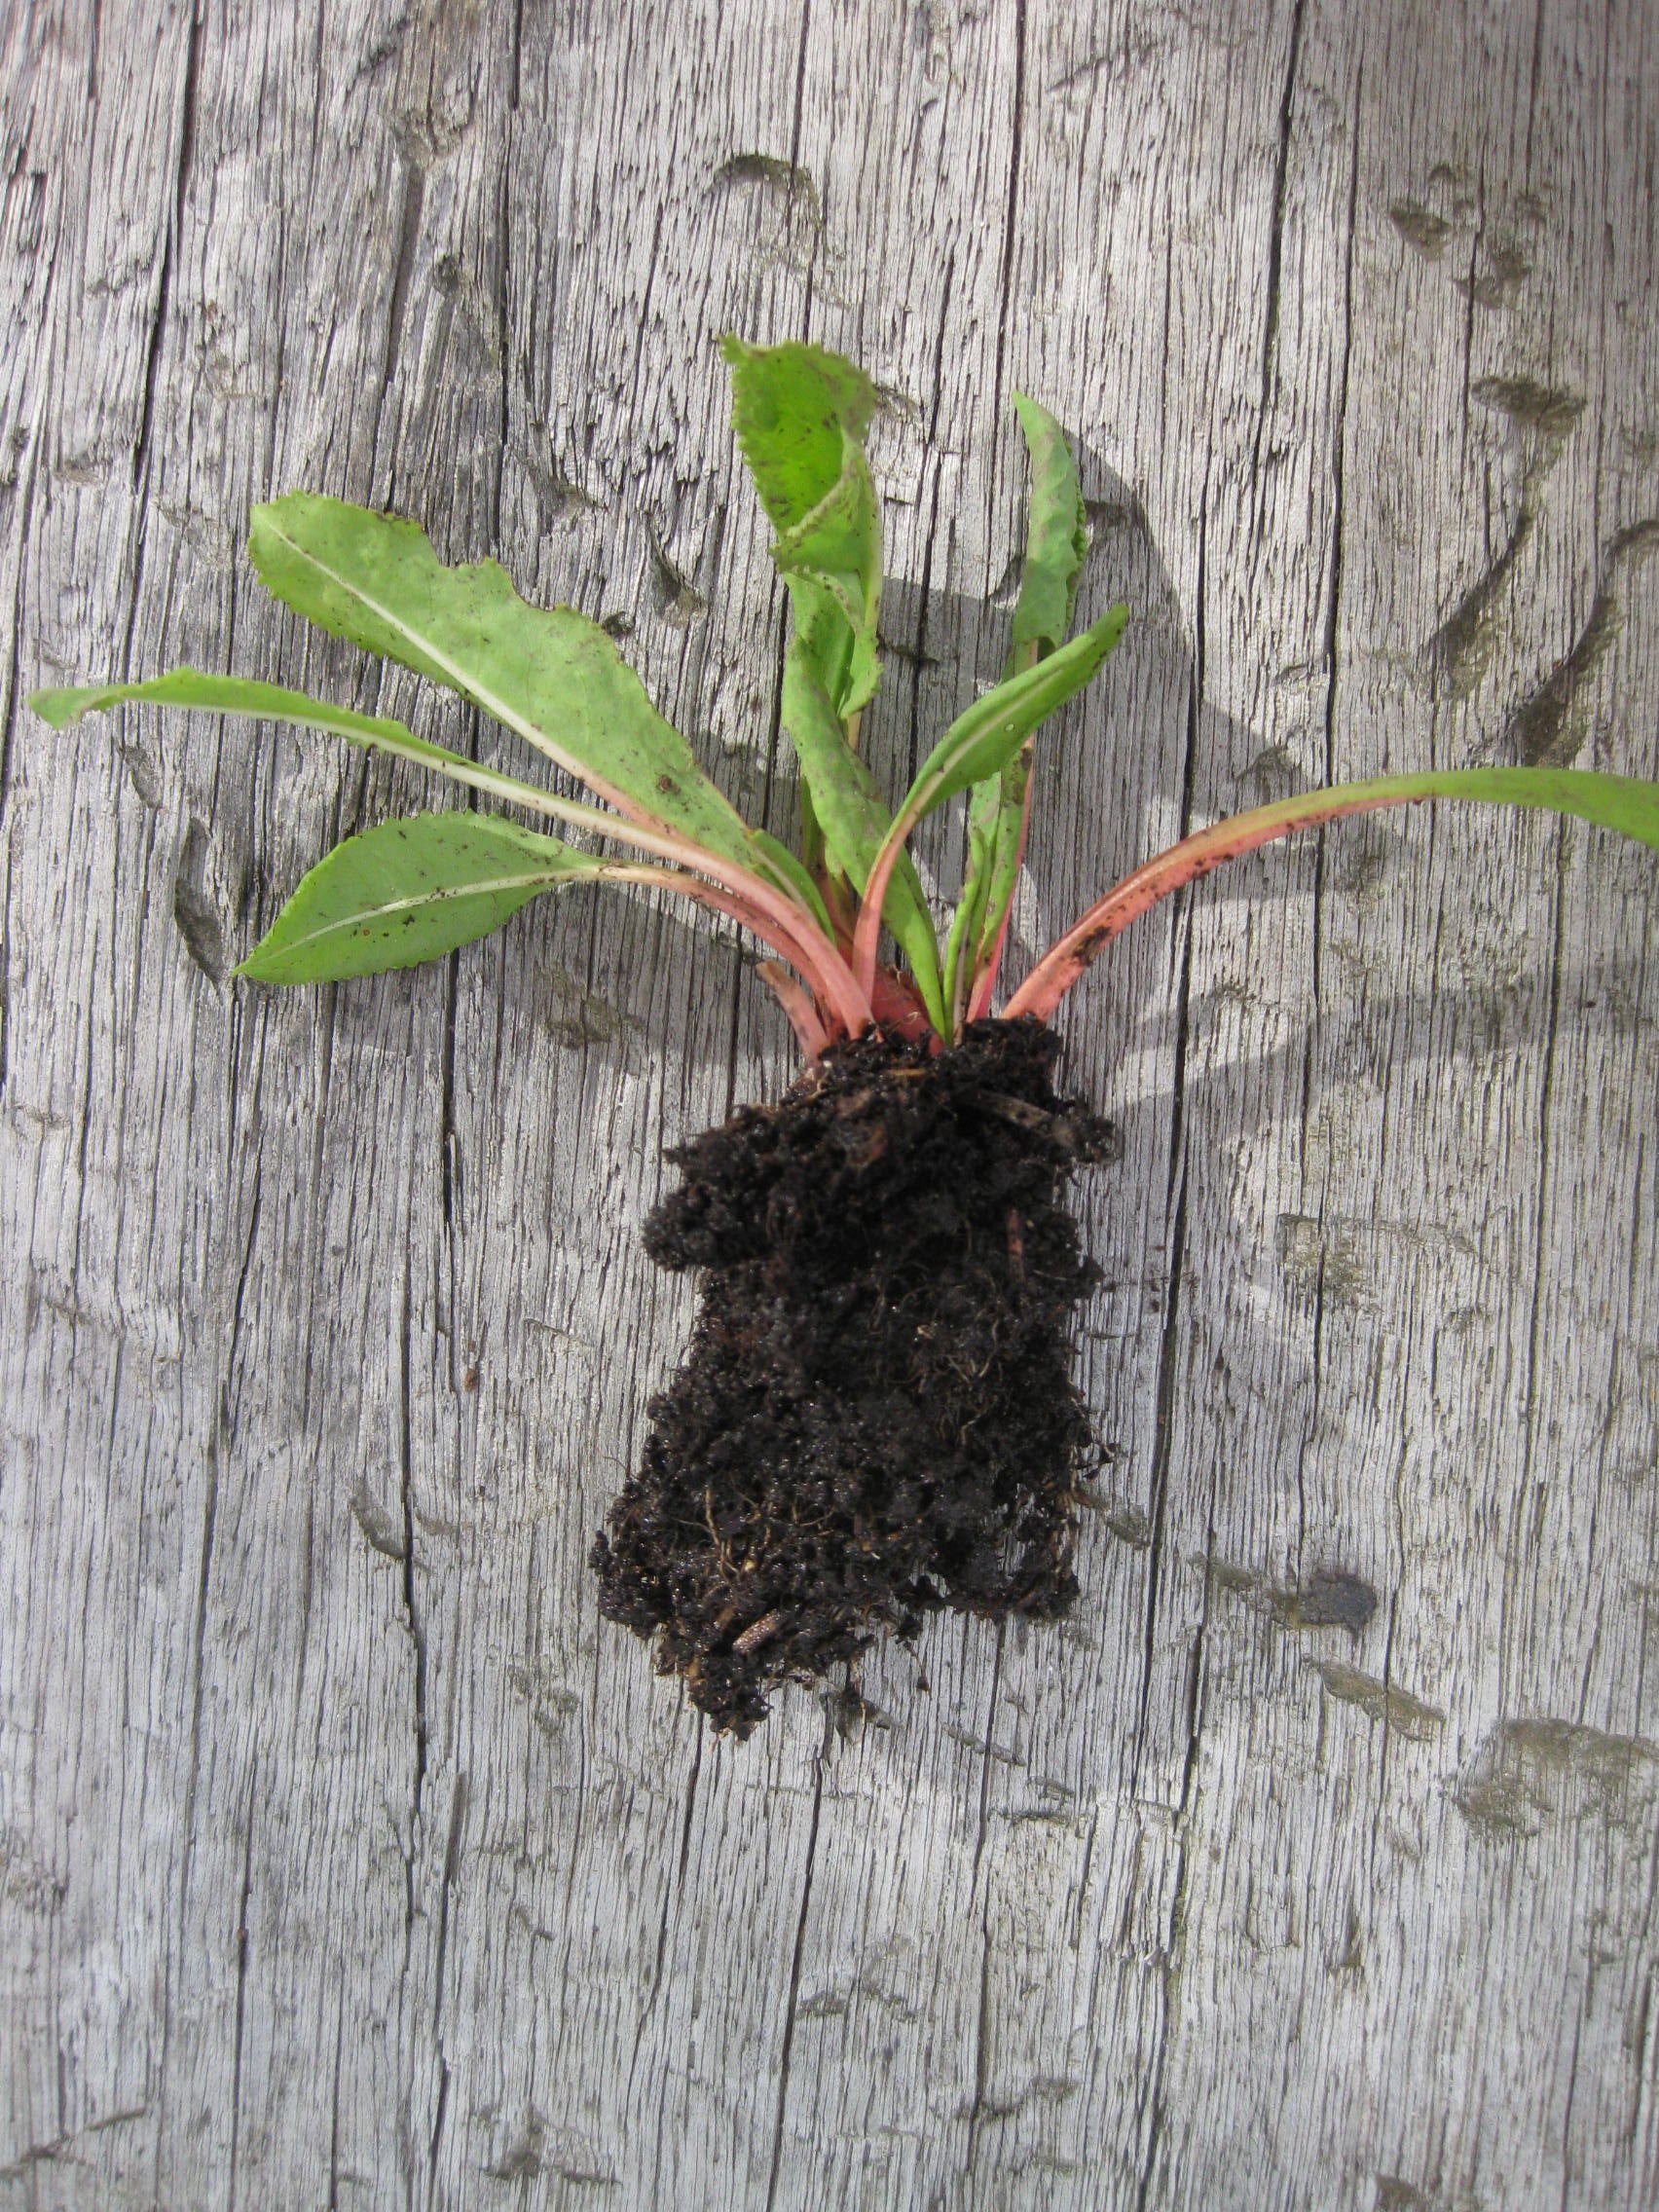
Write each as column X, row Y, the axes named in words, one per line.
column 793, row 2002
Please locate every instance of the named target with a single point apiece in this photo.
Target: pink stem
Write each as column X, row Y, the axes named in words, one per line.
column 897, row 1005
column 1068, row 956
column 797, row 1002
column 790, row 927
column 867, row 931
column 806, row 946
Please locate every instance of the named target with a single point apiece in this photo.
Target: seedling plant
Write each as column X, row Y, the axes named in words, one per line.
column 876, row 1415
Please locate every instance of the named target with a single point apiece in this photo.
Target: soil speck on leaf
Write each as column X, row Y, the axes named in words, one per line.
column 877, row 1415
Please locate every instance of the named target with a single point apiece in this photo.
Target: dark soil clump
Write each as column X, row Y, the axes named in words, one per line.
column 876, row 1415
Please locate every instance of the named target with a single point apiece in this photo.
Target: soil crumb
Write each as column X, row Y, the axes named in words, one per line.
column 876, row 1415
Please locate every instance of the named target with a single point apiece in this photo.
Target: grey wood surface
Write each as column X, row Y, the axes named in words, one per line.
column 346, row 1857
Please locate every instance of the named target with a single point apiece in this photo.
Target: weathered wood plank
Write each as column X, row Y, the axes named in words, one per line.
column 346, row 1857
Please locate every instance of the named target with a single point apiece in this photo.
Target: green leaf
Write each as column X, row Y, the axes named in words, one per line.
column 789, row 875
column 224, row 696
column 549, row 674
column 800, row 414
column 856, row 822
column 273, row 703
column 749, row 889
column 1009, row 805
column 996, row 832
column 1056, row 534
column 1056, row 543
column 978, row 744
column 1624, row 803
column 962, row 941
column 831, row 563
column 987, row 735
column 996, row 838
column 411, row 891
column 793, row 406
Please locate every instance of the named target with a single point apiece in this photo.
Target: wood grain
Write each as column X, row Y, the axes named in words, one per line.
column 346, row 1857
